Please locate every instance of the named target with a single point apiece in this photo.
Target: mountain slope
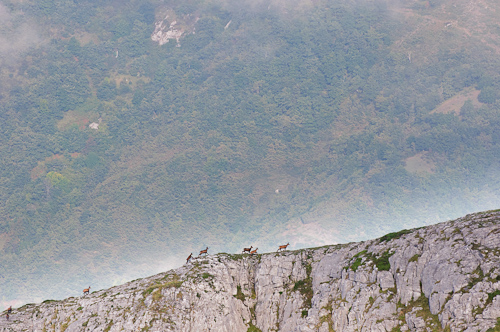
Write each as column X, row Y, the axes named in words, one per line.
column 310, row 122
column 444, row 277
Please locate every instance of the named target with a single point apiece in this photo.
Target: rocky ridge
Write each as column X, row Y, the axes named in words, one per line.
column 444, row 277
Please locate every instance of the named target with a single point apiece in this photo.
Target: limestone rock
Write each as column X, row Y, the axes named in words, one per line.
column 445, row 275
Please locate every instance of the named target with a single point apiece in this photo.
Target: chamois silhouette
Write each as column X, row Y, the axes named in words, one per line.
column 204, row 252
column 283, row 247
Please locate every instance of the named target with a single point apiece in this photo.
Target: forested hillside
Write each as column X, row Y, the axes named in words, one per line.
column 311, row 122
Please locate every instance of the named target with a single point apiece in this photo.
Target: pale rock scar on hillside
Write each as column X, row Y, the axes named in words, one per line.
column 436, row 278
column 173, row 27
column 164, row 32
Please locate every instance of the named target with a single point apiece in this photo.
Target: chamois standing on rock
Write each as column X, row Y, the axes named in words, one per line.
column 204, row 252
column 9, row 310
column 254, row 251
column 247, row 249
column 86, row 290
column 189, row 257
column 283, row 247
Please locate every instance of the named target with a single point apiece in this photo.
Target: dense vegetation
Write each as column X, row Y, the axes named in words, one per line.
column 263, row 117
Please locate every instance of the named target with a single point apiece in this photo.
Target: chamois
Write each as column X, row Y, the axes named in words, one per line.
column 189, row 257
column 204, row 252
column 247, row 249
column 283, row 247
column 254, row 251
column 7, row 316
column 86, row 290
column 9, row 310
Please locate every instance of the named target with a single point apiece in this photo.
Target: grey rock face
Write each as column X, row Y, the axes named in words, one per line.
column 446, row 275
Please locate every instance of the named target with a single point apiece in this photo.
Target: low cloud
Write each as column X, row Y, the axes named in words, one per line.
column 280, row 6
column 300, row 6
column 18, row 33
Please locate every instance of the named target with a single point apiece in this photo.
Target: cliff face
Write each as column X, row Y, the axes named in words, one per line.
column 441, row 277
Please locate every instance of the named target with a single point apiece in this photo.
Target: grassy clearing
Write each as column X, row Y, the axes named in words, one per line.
column 174, row 282
column 431, row 321
column 381, row 261
column 239, row 294
column 395, row 235
column 414, row 258
column 305, row 288
column 253, row 328
column 496, row 328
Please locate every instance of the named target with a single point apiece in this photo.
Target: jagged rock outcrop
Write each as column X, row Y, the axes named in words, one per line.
column 173, row 27
column 163, row 32
column 445, row 276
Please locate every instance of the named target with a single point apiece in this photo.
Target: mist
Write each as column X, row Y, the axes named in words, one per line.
column 18, row 34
